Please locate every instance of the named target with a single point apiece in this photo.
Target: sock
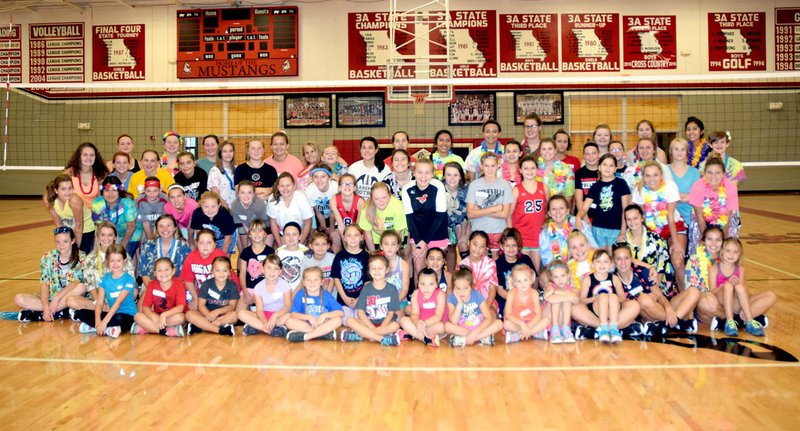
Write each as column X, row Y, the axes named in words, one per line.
column 613, row 327
column 604, row 327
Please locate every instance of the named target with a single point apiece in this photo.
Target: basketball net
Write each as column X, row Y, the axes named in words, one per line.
column 419, row 104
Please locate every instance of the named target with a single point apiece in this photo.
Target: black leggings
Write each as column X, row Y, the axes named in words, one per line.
column 87, row 242
column 124, row 321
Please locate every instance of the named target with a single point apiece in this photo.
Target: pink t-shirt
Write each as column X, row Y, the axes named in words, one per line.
column 185, row 217
column 291, row 165
column 700, row 191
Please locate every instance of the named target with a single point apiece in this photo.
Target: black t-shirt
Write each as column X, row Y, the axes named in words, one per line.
column 254, row 265
column 351, row 270
column 607, row 203
column 585, row 178
column 195, row 186
column 265, row 176
column 221, row 224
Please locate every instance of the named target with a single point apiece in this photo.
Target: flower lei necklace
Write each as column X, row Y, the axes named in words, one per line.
column 715, row 214
column 558, row 235
column 557, row 180
column 704, row 262
column 655, row 208
column 700, row 153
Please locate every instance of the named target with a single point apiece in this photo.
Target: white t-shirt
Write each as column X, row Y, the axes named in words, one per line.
column 321, row 201
column 297, row 211
column 670, row 193
column 272, row 301
column 366, row 177
column 292, row 270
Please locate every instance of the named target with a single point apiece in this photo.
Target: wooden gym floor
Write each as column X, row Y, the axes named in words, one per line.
column 55, row 378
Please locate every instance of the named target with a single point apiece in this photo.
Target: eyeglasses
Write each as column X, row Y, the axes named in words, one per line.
column 616, row 150
column 531, row 126
column 346, row 184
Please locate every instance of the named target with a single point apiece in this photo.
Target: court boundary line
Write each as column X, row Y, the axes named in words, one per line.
column 355, row 368
column 19, row 277
column 794, row 276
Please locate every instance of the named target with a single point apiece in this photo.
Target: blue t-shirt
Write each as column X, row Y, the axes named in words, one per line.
column 113, row 287
column 471, row 315
column 351, row 270
column 684, row 184
column 306, row 304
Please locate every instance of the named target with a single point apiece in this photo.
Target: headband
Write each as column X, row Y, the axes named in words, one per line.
column 175, row 186
column 326, row 170
column 170, row 133
column 152, row 183
column 110, row 187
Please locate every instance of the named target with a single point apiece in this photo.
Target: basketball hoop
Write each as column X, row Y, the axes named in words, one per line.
column 419, row 103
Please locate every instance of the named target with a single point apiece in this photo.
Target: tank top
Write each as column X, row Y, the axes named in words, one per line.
column 597, row 287
column 529, row 214
column 68, row 218
column 443, row 282
column 87, row 195
column 722, row 278
column 427, row 307
column 395, row 275
column 348, row 216
column 523, row 310
column 635, row 287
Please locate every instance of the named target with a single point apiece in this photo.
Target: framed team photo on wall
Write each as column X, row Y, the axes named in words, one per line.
column 548, row 104
column 360, row 110
column 470, row 108
column 308, row 110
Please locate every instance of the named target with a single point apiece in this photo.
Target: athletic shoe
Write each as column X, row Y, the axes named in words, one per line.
column 61, row 314
column 296, row 336
column 657, row 329
column 458, row 341
column 86, row 329
column 754, row 328
column 137, row 330
column 689, row 326
column 278, row 331
column 405, row 336
column 9, row 315
column 249, row 330
column 731, row 328
column 715, row 324
column 227, row 330
column 390, row 340
column 72, row 315
column 616, row 336
column 634, row 331
column 174, row 331
column 193, row 329
column 566, row 334
column 350, row 336
column 113, row 331
column 763, row 320
column 29, row 316
column 540, row 335
column 431, row 342
column 555, row 336
column 512, row 337
column 604, row 335
column 330, row 336
column 487, row 341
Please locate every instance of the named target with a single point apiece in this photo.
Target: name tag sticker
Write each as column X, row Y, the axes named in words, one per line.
column 159, row 293
column 428, row 305
column 213, row 294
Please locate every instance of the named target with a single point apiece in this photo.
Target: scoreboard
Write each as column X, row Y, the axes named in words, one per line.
column 238, row 42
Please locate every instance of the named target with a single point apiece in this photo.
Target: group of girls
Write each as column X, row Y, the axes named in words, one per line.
column 542, row 245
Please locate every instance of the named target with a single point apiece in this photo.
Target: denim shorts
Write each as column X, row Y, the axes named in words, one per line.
column 604, row 237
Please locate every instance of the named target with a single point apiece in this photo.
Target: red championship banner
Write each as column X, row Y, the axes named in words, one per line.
column 238, row 42
column 118, row 52
column 56, row 52
column 737, row 41
column 11, row 54
column 529, row 42
column 473, row 44
column 369, row 47
column 787, row 39
column 649, row 42
column 590, row 42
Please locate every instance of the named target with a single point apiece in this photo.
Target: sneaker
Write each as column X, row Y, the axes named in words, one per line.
column 86, row 329
column 9, row 315
column 61, row 314
column 487, row 341
column 689, row 326
column 754, row 328
column 278, row 331
column 137, row 330
column 193, row 329
column 390, row 340
column 458, row 341
column 350, row 336
column 604, row 335
column 330, row 336
column 113, row 331
column 512, row 337
column 540, row 335
column 566, row 334
column 404, row 336
column 296, row 336
column 249, row 330
column 731, row 328
column 29, row 316
column 616, row 336
column 714, row 325
column 435, row 341
column 227, row 330
column 555, row 336
column 634, row 331
column 174, row 331
column 763, row 320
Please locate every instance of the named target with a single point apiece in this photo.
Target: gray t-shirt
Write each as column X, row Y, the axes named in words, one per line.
column 244, row 216
column 485, row 195
column 378, row 303
column 149, row 212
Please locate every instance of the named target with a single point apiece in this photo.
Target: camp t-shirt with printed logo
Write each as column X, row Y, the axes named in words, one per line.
column 471, row 315
column 377, row 303
column 149, row 212
column 195, row 186
column 351, row 270
column 292, row 270
column 322, row 201
column 484, row 195
column 366, row 177
column 164, row 300
column 607, row 202
column 307, row 304
column 254, row 265
column 393, row 217
column 197, row 269
column 215, row 297
column 264, row 176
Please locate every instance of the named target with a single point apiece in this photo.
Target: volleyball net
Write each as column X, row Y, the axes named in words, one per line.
column 45, row 123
